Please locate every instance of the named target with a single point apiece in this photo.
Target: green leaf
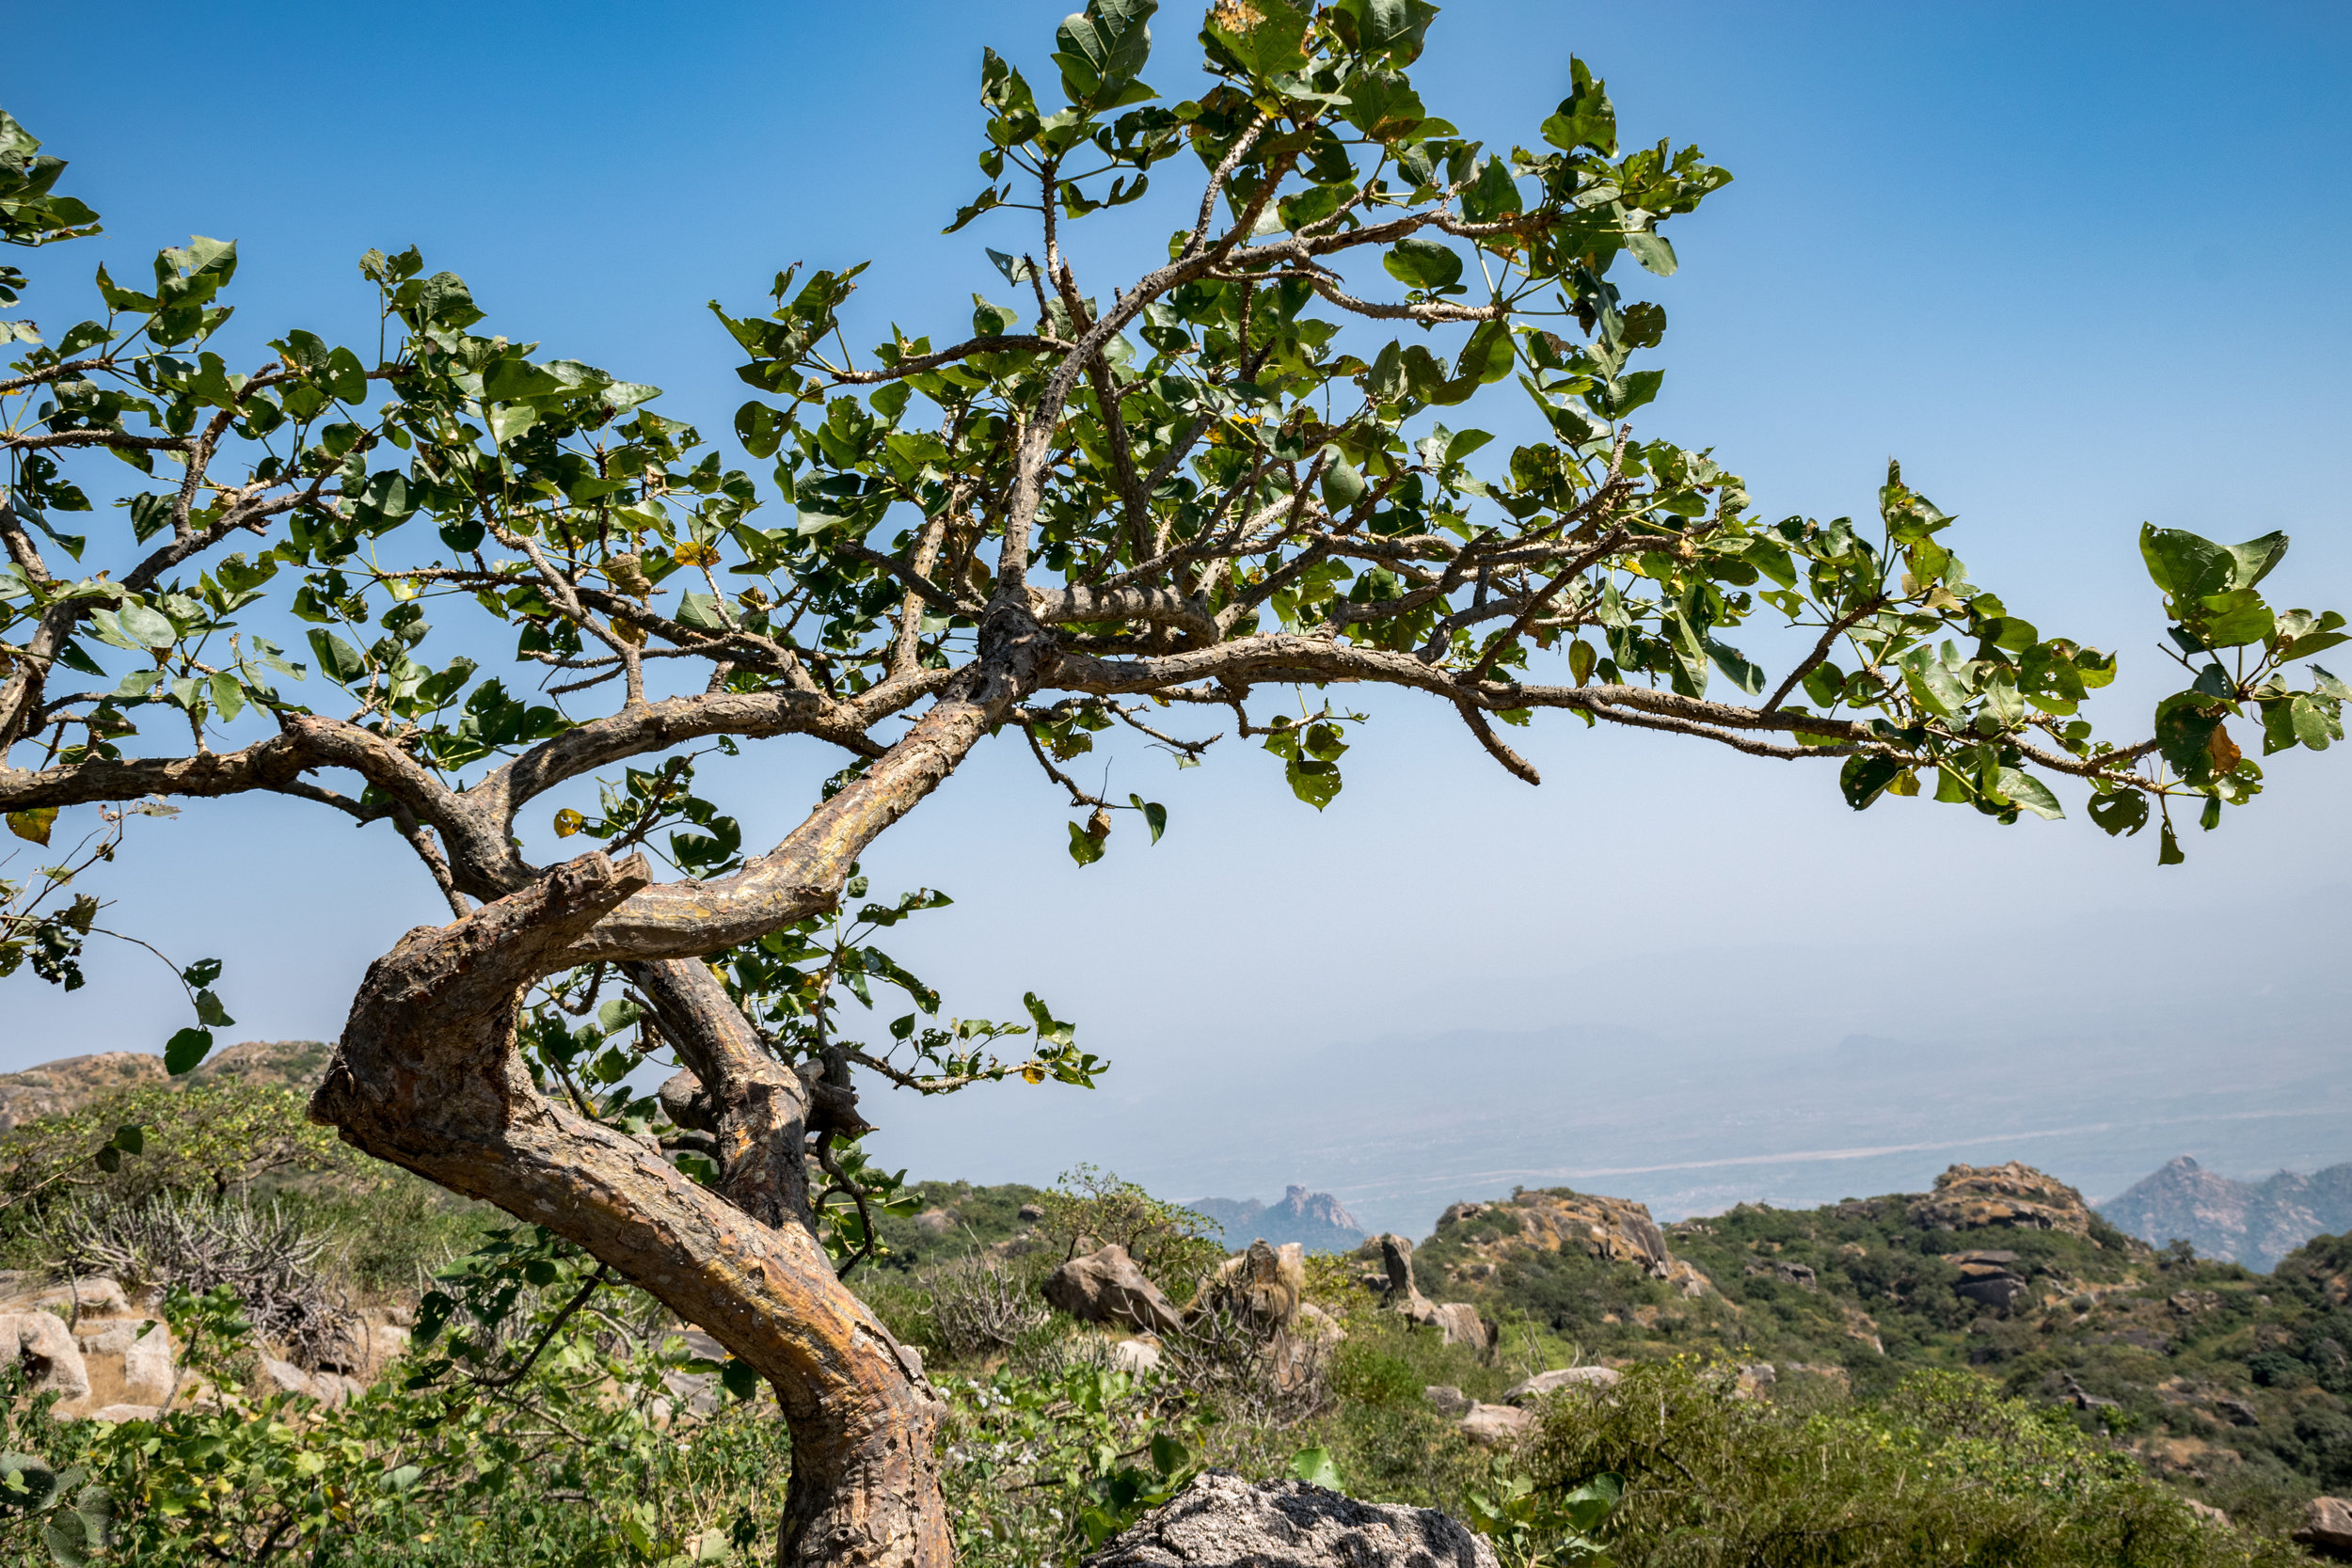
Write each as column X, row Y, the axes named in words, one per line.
column 1585, row 117
column 186, row 1049
column 2030, row 793
column 1083, row 847
column 1421, row 263
column 131, row 1138
column 1050, row 1030
column 1313, row 782
column 2184, row 565
column 2252, row 562
column 1155, row 814
column 2169, row 851
column 1265, row 37
column 338, row 660
column 1592, row 1502
column 1650, row 248
column 1734, row 664
column 1342, row 484
column 1864, row 779
column 1102, row 49
column 2183, row 730
column 2120, row 813
column 211, row 1013
column 1316, row 1468
column 150, row 628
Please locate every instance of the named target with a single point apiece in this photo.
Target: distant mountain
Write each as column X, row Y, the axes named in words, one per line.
column 2253, row 1223
column 62, row 1088
column 1314, row 1220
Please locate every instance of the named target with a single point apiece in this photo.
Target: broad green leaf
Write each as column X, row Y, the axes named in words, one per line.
column 1585, row 117
column 1316, row 1468
column 1083, row 847
column 1265, row 37
column 186, row 1050
column 2121, row 812
column 2030, row 793
column 1421, row 263
column 1864, row 779
column 2184, row 565
column 148, row 625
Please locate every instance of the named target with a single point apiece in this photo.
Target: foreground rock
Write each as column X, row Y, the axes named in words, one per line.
column 44, row 1346
column 2328, row 1527
column 1106, row 1287
column 1221, row 1521
column 1497, row 1424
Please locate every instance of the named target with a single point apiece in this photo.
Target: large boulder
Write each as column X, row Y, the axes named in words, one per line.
column 131, row 1361
column 1458, row 1323
column 1559, row 1220
column 1497, row 1424
column 2328, row 1527
column 52, row 1361
column 1222, row 1521
column 1106, row 1287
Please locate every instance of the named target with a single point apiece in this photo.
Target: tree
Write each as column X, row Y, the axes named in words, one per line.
column 1139, row 509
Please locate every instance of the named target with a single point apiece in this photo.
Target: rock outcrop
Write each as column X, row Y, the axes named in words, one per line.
column 1553, row 1220
column 1222, row 1521
column 2014, row 1196
column 1106, row 1287
column 44, row 1346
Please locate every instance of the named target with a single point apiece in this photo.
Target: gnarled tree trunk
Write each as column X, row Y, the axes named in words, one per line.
column 428, row 1078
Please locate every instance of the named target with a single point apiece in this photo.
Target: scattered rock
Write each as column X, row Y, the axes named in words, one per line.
column 115, row 1415
column 1030, row 1214
column 1758, row 1381
column 1860, row 1325
column 1824, row 1370
column 2015, row 1195
column 935, row 1223
column 1497, row 1423
column 1593, row 1378
column 1137, row 1357
column 1448, row 1400
column 1106, row 1287
column 2206, row 1512
column 2085, row 1400
column 325, row 1387
column 2000, row 1290
column 1222, row 1521
column 1458, row 1323
column 2328, row 1527
column 52, row 1362
column 2190, row 1302
column 2236, row 1411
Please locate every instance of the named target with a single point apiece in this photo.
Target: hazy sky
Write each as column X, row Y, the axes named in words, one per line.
column 2078, row 267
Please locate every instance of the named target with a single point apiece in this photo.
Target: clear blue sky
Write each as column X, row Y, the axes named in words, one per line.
column 2077, row 266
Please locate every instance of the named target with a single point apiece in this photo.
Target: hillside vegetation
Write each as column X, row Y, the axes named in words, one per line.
column 1983, row 1374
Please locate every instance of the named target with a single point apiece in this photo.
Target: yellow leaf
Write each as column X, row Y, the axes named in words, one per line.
column 33, row 824
column 568, row 822
column 1034, row 1072
column 695, row 553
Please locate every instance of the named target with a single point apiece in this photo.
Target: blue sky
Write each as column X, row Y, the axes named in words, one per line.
column 2078, row 267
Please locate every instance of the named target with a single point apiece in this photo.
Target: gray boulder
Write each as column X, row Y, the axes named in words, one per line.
column 1593, row 1378
column 52, row 1362
column 1106, row 1287
column 1497, row 1424
column 1222, row 1521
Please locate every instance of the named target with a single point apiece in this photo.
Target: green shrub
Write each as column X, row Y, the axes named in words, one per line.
column 1945, row 1472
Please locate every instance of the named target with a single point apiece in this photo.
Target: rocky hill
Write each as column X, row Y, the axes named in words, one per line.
column 2253, row 1223
column 57, row 1089
column 1316, row 1221
column 2210, row 1372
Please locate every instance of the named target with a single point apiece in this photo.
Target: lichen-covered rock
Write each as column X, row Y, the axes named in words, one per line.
column 1264, row 1285
column 1106, row 1287
column 2015, row 1195
column 1222, row 1521
column 1458, row 1323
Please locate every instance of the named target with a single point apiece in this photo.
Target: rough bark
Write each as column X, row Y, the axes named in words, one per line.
column 427, row 1076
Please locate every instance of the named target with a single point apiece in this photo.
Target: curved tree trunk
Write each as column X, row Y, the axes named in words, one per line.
column 427, row 1077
